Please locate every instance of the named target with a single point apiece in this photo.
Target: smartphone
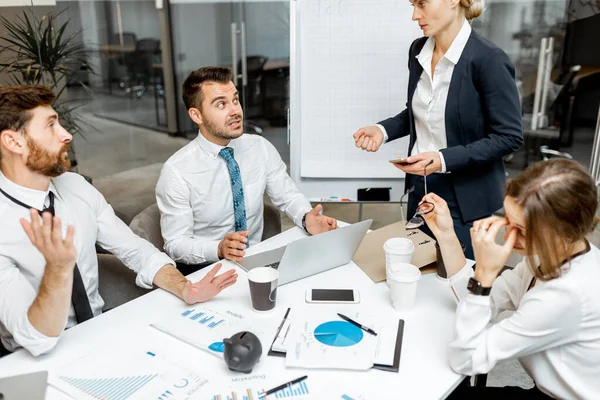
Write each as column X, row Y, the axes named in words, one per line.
column 401, row 161
column 332, row 296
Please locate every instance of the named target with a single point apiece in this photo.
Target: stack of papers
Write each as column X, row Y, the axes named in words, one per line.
column 323, row 340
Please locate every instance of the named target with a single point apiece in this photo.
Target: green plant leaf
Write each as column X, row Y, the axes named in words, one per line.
column 38, row 51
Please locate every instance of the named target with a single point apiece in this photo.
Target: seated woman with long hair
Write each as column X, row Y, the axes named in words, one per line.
column 554, row 293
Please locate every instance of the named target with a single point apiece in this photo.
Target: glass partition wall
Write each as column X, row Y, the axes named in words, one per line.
column 123, row 38
column 250, row 37
column 573, row 87
column 142, row 51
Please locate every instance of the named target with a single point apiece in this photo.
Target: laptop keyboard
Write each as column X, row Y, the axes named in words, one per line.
column 274, row 265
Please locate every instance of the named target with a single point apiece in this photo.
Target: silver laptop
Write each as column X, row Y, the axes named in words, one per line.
column 28, row 386
column 311, row 255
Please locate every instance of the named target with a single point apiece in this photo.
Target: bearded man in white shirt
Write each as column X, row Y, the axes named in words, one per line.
column 48, row 264
column 210, row 193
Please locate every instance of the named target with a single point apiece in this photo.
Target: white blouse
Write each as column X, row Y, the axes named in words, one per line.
column 431, row 95
column 554, row 330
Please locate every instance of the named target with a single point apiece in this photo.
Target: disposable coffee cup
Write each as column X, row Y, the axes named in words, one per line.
column 263, row 288
column 404, row 279
column 397, row 250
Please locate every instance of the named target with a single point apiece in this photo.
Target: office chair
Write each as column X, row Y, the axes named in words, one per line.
column 116, row 282
column 552, row 137
column 546, row 153
column 147, row 51
column 123, row 60
column 147, row 224
column 577, row 52
column 253, row 92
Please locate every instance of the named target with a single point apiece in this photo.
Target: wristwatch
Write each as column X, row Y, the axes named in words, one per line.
column 304, row 224
column 474, row 286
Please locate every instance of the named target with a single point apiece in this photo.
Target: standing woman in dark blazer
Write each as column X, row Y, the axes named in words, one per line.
column 463, row 115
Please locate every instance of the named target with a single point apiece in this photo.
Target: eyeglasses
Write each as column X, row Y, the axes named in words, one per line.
column 423, row 209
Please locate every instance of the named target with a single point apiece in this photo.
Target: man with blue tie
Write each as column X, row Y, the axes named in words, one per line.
column 210, row 193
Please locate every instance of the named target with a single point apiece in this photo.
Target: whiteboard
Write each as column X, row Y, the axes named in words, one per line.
column 348, row 69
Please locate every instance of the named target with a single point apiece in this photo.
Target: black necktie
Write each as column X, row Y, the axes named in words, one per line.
column 79, row 298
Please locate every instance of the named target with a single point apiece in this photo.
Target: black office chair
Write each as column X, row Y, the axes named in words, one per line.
column 122, row 61
column 147, row 53
column 254, row 92
column 553, row 137
column 546, row 153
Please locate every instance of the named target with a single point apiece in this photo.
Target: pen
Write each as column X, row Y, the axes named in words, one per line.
column 278, row 388
column 364, row 328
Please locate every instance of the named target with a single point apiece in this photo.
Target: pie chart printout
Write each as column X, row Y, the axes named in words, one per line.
column 338, row 334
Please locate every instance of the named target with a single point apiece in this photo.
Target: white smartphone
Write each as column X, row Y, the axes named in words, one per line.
column 332, row 296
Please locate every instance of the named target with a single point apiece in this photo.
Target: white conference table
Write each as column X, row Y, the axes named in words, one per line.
column 424, row 370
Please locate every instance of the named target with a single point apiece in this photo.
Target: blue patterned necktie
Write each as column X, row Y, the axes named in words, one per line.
column 237, row 189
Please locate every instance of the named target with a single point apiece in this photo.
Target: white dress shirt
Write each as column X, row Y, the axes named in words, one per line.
column 431, row 95
column 195, row 201
column 554, row 330
column 22, row 266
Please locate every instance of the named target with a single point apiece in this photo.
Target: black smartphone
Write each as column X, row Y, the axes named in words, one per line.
column 332, row 296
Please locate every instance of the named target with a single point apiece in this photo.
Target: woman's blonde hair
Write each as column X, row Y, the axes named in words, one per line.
column 473, row 8
column 559, row 201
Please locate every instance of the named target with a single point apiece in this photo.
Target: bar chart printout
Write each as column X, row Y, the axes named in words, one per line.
column 202, row 327
column 298, row 391
column 207, row 318
column 126, row 375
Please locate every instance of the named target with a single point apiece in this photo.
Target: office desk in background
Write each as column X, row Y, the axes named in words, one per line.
column 115, row 48
column 277, row 63
column 424, row 370
column 361, row 203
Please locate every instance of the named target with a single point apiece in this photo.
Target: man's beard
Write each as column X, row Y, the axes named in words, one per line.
column 42, row 161
column 220, row 132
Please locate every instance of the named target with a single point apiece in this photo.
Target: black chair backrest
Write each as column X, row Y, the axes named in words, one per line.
column 146, row 54
column 255, row 65
column 579, row 48
column 129, row 39
column 148, row 45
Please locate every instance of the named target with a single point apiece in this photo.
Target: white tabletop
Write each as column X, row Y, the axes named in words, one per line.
column 424, row 370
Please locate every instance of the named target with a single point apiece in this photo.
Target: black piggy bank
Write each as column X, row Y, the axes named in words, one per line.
column 242, row 352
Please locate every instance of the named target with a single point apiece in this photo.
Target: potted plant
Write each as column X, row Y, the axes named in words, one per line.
column 38, row 52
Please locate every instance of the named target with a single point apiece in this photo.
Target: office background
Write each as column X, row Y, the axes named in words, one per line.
column 141, row 54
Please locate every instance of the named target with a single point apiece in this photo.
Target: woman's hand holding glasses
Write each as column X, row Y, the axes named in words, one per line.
column 441, row 224
column 424, row 208
column 438, row 219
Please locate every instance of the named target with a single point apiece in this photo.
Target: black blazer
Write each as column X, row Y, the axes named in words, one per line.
column 483, row 123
